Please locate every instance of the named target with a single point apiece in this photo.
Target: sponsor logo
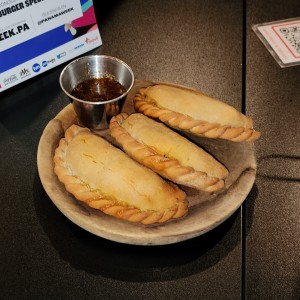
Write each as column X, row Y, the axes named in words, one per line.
column 36, row 68
column 79, row 46
column 92, row 40
column 24, row 73
column 60, row 55
column 45, row 63
column 10, row 79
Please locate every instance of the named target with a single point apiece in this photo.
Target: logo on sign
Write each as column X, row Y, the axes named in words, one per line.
column 79, row 46
column 45, row 63
column 92, row 40
column 36, row 68
column 10, row 79
column 24, row 72
column 60, row 55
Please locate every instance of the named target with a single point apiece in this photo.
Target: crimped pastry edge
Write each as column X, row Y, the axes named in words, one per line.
column 186, row 123
column 169, row 168
column 82, row 192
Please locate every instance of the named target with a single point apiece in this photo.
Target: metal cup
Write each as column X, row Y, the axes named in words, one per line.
column 96, row 115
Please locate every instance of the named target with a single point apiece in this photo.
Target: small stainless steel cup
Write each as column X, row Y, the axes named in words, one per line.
column 96, row 115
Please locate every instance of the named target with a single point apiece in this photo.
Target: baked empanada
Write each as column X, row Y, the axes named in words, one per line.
column 189, row 110
column 166, row 152
column 107, row 179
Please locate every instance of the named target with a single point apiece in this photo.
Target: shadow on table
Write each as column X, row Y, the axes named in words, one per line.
column 95, row 255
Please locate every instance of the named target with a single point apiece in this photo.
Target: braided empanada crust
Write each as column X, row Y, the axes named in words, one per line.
column 97, row 196
column 184, row 122
column 168, row 167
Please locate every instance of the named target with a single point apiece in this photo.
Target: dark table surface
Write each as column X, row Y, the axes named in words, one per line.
column 208, row 45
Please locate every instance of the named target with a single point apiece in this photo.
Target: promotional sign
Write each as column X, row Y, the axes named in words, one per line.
column 282, row 39
column 37, row 35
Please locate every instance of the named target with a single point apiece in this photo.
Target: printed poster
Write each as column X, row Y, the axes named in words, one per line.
column 37, row 35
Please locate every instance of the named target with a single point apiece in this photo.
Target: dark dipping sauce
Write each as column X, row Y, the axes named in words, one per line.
column 98, row 89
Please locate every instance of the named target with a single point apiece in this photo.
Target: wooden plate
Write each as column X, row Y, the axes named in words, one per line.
column 205, row 213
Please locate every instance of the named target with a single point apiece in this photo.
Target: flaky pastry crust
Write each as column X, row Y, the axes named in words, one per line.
column 107, row 179
column 167, row 153
column 222, row 121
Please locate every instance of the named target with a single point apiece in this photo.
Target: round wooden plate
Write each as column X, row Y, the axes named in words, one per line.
column 206, row 211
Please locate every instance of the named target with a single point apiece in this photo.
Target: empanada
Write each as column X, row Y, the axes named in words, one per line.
column 166, row 152
column 107, row 179
column 189, row 110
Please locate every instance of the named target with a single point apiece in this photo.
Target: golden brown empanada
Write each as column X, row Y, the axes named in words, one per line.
column 107, row 179
column 189, row 110
column 166, row 152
